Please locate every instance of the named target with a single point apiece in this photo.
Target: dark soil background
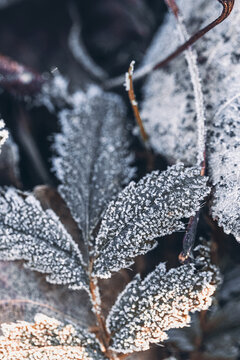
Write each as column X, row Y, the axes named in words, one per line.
column 35, row 33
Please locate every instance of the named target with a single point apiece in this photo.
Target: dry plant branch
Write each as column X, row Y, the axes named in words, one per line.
column 142, row 72
column 133, row 102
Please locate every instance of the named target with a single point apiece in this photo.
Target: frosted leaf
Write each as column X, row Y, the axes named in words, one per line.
column 54, row 92
column 169, row 113
column 93, row 160
column 29, row 233
column 148, row 308
column 219, row 331
column 3, row 134
column 144, row 211
column 175, row 103
column 47, row 339
column 224, row 155
column 170, row 91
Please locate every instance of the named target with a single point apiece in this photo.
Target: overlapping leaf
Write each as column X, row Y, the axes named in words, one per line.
column 144, row 211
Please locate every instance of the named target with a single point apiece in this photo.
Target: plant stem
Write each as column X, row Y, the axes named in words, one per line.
column 104, row 336
column 145, row 70
column 227, row 8
column 133, row 102
column 94, row 291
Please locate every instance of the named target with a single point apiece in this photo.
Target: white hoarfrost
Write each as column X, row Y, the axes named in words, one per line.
column 147, row 309
column 27, row 232
column 169, row 110
column 143, row 211
column 47, row 339
column 3, row 134
column 93, row 160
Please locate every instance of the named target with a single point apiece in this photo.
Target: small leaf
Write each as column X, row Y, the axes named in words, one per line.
column 147, row 308
column 144, row 211
column 49, row 339
column 29, row 233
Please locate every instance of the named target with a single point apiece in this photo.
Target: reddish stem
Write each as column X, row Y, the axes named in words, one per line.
column 134, row 104
column 141, row 73
column 227, row 8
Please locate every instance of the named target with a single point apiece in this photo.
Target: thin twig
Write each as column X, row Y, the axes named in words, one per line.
column 227, row 8
column 133, row 102
column 145, row 70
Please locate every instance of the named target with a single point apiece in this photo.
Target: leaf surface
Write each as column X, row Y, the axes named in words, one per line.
column 29, row 233
column 93, row 161
column 144, row 211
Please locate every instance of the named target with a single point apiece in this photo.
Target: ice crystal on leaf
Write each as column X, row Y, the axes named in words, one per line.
column 147, row 308
column 27, row 232
column 47, row 339
column 93, row 160
column 3, row 134
column 143, row 211
column 169, row 112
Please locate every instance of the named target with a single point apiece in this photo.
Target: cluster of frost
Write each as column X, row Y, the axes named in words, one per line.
column 169, row 109
column 47, row 339
column 27, row 232
column 147, row 308
column 143, row 211
column 54, row 92
column 3, row 134
column 93, row 160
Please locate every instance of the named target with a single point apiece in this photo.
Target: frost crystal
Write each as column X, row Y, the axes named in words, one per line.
column 29, row 233
column 169, row 113
column 151, row 208
column 93, row 160
column 47, row 339
column 3, row 134
column 147, row 308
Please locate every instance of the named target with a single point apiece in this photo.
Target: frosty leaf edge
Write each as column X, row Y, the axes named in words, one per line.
column 29, row 233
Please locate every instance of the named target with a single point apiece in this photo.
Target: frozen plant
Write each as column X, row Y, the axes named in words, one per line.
column 93, row 162
column 204, row 84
